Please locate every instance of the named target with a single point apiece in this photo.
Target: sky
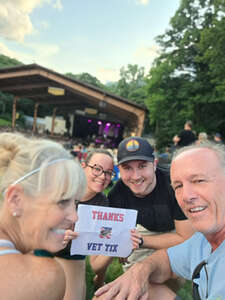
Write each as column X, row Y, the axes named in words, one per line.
column 77, row 36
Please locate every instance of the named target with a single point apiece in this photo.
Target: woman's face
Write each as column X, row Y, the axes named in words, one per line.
column 96, row 184
column 45, row 220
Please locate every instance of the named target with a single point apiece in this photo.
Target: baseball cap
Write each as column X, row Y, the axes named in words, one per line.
column 218, row 135
column 134, row 148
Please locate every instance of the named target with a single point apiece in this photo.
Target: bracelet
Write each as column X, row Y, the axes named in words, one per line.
column 141, row 242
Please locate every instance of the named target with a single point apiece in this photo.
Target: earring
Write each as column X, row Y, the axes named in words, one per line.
column 14, row 214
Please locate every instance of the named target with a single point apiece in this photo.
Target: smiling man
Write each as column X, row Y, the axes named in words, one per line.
column 198, row 178
column 146, row 188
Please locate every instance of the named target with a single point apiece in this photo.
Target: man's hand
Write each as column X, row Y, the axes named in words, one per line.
column 136, row 238
column 132, row 285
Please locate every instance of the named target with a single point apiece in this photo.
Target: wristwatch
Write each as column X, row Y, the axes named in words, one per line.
column 141, row 242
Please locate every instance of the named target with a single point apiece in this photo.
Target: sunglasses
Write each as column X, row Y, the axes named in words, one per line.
column 195, row 275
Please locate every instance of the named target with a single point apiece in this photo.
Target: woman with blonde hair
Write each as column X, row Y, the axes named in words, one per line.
column 39, row 185
column 202, row 138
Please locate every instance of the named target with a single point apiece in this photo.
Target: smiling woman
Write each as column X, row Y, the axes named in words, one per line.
column 98, row 169
column 39, row 185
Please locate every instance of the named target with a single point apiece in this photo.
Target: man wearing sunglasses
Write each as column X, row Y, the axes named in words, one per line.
column 198, row 179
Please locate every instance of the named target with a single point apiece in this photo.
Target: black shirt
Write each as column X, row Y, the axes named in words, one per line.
column 156, row 211
column 187, row 137
column 99, row 199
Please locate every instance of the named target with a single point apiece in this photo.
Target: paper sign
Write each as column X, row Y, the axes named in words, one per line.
column 104, row 230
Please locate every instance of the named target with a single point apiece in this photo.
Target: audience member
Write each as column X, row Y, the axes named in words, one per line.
column 218, row 138
column 198, row 178
column 202, row 138
column 98, row 168
column 186, row 136
column 39, row 184
column 145, row 187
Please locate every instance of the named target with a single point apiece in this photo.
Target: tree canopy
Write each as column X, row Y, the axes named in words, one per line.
column 6, row 61
column 87, row 78
column 187, row 80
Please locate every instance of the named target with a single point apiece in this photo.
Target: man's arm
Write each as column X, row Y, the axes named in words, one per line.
column 183, row 230
column 134, row 283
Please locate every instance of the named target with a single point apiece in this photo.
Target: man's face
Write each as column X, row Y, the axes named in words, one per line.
column 139, row 176
column 199, row 183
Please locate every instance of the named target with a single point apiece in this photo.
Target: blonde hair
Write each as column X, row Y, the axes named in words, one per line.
column 19, row 156
column 202, row 136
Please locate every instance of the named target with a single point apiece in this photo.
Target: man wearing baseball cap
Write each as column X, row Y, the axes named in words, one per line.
column 146, row 188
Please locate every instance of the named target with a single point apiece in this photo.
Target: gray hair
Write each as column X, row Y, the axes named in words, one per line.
column 20, row 156
column 202, row 136
column 218, row 149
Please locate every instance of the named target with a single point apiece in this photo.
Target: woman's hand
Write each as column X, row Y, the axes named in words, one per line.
column 69, row 235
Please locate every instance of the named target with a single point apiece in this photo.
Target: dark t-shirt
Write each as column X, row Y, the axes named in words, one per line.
column 156, row 211
column 187, row 137
column 99, row 199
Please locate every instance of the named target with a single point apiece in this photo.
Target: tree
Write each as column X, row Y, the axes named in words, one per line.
column 187, row 77
column 6, row 61
column 132, row 84
column 87, row 78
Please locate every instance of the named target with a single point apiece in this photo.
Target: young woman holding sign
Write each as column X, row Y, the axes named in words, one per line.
column 98, row 168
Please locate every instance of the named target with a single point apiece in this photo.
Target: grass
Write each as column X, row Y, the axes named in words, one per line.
column 4, row 123
column 115, row 270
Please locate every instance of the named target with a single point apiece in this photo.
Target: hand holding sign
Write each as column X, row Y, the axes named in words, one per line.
column 69, row 235
column 104, row 230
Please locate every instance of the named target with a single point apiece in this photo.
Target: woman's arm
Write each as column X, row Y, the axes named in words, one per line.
column 31, row 277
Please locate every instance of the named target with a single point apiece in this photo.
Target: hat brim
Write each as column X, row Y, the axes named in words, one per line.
column 136, row 157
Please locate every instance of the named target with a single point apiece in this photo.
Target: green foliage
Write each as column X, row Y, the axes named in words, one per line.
column 115, row 270
column 132, row 84
column 187, row 80
column 6, row 61
column 4, row 123
column 186, row 291
column 5, row 103
column 89, row 280
column 87, row 78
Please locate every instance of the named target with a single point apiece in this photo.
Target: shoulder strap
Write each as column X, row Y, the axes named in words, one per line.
column 6, row 243
column 9, row 251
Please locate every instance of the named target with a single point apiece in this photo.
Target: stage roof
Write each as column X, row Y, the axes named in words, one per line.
column 35, row 82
